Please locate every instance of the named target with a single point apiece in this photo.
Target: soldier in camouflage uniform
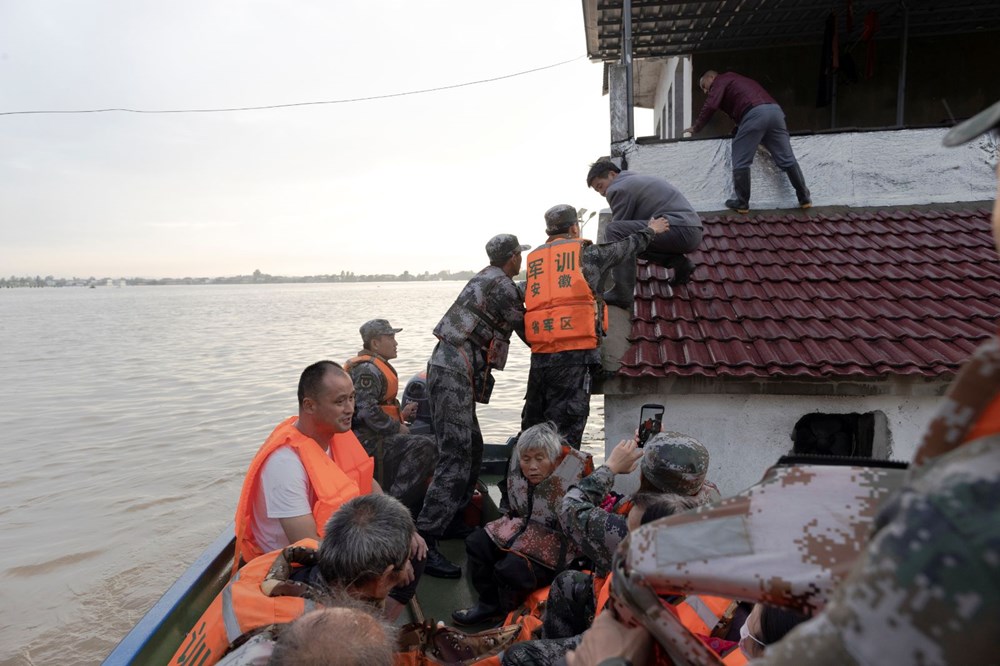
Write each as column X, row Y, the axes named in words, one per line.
column 562, row 363
column 404, row 462
column 595, row 518
column 673, row 468
column 473, row 337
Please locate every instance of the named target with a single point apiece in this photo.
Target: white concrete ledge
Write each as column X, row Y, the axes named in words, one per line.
column 871, row 168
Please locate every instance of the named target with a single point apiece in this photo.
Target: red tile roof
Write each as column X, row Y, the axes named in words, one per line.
column 812, row 295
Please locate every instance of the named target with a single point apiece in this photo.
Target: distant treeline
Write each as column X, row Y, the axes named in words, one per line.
column 255, row 278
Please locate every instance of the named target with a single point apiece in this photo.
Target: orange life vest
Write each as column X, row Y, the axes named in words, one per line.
column 988, row 423
column 239, row 608
column 562, row 312
column 388, row 403
column 701, row 612
column 336, row 476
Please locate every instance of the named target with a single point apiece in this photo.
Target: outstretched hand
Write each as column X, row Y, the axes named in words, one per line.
column 659, row 225
column 625, row 457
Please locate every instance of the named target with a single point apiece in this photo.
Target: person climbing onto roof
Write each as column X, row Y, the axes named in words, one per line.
column 520, row 552
column 636, row 198
column 759, row 120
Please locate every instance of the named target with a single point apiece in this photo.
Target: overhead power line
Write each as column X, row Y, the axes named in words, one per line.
column 295, row 104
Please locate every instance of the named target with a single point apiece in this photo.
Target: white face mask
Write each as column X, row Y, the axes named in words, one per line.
column 746, row 637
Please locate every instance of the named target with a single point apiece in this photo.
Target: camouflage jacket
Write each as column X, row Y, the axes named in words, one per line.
column 370, row 420
column 927, row 588
column 595, row 530
column 488, row 307
column 596, row 263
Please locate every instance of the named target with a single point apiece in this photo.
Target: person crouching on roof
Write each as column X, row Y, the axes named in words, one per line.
column 521, row 552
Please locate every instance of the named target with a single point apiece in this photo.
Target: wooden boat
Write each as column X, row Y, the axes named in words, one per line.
column 155, row 638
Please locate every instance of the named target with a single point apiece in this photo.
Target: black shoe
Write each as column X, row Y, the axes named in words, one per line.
column 738, row 206
column 682, row 273
column 440, row 566
column 479, row 614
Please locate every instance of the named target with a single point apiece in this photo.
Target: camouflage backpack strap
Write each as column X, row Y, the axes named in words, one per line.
column 974, row 391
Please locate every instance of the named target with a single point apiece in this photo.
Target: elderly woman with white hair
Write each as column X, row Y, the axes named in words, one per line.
column 522, row 551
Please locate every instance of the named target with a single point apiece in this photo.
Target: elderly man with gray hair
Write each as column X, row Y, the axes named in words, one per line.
column 365, row 555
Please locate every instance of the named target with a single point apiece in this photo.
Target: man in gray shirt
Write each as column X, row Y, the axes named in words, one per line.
column 635, row 199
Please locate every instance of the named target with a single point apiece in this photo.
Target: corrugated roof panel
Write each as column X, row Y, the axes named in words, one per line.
column 861, row 294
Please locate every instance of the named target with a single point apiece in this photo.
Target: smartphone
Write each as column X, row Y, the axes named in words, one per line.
column 650, row 422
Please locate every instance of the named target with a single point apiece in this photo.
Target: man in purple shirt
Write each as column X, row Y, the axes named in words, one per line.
column 758, row 120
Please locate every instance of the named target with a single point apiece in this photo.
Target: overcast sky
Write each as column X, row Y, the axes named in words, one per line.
column 407, row 183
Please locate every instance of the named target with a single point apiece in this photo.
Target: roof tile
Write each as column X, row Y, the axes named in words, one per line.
column 900, row 291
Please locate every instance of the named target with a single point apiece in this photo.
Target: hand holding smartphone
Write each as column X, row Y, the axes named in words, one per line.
column 650, row 422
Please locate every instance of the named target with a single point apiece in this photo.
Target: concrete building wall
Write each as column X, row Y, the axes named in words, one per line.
column 877, row 168
column 746, row 434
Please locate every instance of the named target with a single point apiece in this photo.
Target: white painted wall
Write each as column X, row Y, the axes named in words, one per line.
column 671, row 68
column 883, row 168
column 746, row 434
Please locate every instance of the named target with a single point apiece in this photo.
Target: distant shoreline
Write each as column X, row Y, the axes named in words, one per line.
column 256, row 278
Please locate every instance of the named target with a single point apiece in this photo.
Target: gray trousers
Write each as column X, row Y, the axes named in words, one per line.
column 676, row 240
column 763, row 124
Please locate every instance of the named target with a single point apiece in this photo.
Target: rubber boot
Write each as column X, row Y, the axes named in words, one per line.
column 798, row 181
column 622, row 292
column 741, row 186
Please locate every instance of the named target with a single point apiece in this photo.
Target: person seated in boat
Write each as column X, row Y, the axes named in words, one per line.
column 348, row 633
column 577, row 597
column 310, row 465
column 521, row 552
column 404, row 462
column 365, row 555
column 596, row 518
column 765, row 625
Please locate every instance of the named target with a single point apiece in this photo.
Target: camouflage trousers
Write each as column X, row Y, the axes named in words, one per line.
column 560, row 394
column 459, row 448
column 569, row 612
column 404, row 465
column 571, row 605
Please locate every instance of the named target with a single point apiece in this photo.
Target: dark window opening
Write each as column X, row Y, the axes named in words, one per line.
column 854, row 435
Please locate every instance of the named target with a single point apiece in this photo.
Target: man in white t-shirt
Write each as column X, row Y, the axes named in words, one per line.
column 309, row 465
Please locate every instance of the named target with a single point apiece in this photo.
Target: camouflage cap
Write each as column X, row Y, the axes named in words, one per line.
column 982, row 122
column 560, row 218
column 503, row 246
column 376, row 327
column 675, row 463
